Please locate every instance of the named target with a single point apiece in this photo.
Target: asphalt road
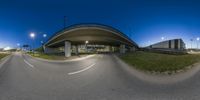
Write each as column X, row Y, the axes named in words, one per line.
column 98, row 78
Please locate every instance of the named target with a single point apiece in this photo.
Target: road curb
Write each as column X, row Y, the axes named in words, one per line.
column 62, row 61
column 159, row 79
column 3, row 61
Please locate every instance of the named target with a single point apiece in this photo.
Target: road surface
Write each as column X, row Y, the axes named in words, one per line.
column 98, row 78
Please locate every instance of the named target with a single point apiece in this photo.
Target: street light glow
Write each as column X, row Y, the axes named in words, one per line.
column 18, row 44
column 44, row 35
column 162, row 38
column 86, row 42
column 198, row 42
column 198, row 38
column 32, row 35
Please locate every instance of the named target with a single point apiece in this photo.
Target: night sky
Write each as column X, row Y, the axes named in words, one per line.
column 144, row 21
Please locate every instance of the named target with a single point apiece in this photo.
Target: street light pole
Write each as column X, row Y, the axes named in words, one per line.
column 44, row 36
column 191, row 42
column 86, row 42
column 32, row 35
column 198, row 42
column 18, row 45
column 162, row 38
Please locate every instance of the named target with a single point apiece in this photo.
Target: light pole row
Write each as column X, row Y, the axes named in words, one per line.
column 33, row 35
column 197, row 39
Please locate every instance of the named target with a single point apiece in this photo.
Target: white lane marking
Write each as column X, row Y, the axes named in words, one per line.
column 28, row 63
column 82, row 69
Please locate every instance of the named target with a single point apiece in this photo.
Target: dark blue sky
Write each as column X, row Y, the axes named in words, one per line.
column 145, row 21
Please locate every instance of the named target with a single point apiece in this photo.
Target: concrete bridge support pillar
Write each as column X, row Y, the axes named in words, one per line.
column 122, row 48
column 67, row 49
column 76, row 49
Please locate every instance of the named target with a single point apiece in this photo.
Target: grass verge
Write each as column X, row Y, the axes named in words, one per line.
column 2, row 55
column 156, row 62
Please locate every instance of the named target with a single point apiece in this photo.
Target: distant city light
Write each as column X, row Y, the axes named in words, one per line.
column 32, row 35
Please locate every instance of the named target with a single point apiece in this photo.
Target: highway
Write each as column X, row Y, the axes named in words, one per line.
column 97, row 78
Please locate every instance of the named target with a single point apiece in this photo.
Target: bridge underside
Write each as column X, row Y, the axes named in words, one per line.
column 74, row 41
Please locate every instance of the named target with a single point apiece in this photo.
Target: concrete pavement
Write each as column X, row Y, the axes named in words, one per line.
column 97, row 78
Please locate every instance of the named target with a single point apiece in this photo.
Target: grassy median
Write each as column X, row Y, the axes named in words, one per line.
column 159, row 62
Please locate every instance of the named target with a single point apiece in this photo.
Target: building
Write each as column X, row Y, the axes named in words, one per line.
column 89, row 38
column 174, row 44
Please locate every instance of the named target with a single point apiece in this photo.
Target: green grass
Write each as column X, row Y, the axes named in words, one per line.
column 159, row 62
column 2, row 55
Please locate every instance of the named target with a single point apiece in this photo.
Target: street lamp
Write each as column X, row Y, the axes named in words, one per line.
column 32, row 35
column 86, row 42
column 44, row 35
column 191, row 42
column 198, row 42
column 162, row 38
column 18, row 45
column 41, row 42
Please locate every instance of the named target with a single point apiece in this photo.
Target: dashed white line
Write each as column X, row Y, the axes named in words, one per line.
column 28, row 63
column 82, row 69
